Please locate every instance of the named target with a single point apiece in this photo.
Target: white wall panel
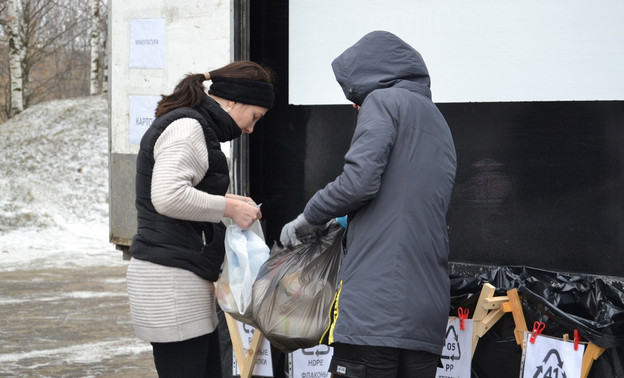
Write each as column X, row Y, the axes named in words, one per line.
column 198, row 38
column 476, row 51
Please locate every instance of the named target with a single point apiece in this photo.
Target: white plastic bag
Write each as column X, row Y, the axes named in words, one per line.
column 245, row 252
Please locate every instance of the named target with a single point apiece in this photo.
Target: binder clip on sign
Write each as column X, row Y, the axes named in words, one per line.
column 463, row 315
column 538, row 327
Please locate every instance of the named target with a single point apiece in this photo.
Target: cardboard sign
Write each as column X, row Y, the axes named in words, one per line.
column 264, row 362
column 548, row 357
column 310, row 362
column 457, row 353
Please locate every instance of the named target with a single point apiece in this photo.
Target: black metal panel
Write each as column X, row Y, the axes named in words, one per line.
column 294, row 150
column 538, row 184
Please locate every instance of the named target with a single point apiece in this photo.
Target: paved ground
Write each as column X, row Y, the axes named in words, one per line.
column 69, row 323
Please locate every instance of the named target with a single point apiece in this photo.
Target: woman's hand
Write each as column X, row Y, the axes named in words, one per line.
column 242, row 210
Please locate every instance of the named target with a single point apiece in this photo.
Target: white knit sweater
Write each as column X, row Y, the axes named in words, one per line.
column 172, row 304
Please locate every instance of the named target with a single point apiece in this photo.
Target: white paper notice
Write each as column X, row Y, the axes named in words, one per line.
column 264, row 363
column 147, row 43
column 311, row 362
column 457, row 353
column 549, row 357
column 142, row 110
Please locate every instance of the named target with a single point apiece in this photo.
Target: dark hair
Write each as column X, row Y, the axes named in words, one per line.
column 190, row 90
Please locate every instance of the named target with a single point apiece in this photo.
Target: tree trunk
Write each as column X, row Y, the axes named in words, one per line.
column 95, row 87
column 105, row 64
column 15, row 60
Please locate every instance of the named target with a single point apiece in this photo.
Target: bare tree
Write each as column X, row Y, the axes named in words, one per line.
column 59, row 49
column 95, row 87
column 15, row 59
column 99, row 32
column 103, row 50
column 3, row 8
column 53, row 40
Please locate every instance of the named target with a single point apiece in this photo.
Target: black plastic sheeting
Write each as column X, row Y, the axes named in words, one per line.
column 591, row 304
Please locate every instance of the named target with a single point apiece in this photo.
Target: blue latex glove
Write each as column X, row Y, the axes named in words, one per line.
column 342, row 221
column 296, row 230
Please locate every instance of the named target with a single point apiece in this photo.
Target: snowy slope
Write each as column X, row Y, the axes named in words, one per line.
column 54, row 185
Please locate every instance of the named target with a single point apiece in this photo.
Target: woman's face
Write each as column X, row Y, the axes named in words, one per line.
column 246, row 115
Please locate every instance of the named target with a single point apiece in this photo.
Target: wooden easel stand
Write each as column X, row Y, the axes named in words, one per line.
column 490, row 309
column 245, row 361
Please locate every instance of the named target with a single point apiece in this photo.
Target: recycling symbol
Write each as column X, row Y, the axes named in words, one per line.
column 451, row 351
column 319, row 350
column 551, row 367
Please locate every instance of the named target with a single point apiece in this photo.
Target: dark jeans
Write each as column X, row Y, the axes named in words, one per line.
column 358, row 361
column 194, row 358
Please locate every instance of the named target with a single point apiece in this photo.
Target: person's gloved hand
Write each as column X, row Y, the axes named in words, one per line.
column 296, row 230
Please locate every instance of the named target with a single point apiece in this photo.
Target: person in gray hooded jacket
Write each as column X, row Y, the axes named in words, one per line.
column 391, row 308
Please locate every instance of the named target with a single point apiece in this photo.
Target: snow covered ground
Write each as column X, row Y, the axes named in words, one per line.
column 54, row 186
column 63, row 304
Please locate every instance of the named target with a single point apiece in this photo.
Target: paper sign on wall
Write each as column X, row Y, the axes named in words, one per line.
column 551, row 358
column 147, row 43
column 311, row 362
column 264, row 362
column 457, row 353
column 142, row 110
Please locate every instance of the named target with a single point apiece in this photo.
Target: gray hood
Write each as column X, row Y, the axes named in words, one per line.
column 379, row 60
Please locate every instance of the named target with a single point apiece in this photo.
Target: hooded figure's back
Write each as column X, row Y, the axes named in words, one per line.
column 395, row 186
column 378, row 60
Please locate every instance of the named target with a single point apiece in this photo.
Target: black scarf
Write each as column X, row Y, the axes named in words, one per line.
column 224, row 126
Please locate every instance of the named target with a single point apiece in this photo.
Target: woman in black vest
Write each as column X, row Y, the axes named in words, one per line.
column 181, row 183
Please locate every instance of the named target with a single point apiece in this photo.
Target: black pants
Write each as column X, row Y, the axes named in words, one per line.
column 358, row 361
column 194, row 358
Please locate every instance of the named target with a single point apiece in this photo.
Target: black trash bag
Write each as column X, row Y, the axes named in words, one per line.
column 294, row 290
column 497, row 354
column 566, row 303
column 609, row 364
column 593, row 305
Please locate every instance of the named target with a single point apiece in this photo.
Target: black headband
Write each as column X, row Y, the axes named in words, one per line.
column 250, row 92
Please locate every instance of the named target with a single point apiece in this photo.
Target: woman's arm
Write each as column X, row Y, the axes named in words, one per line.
column 181, row 161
